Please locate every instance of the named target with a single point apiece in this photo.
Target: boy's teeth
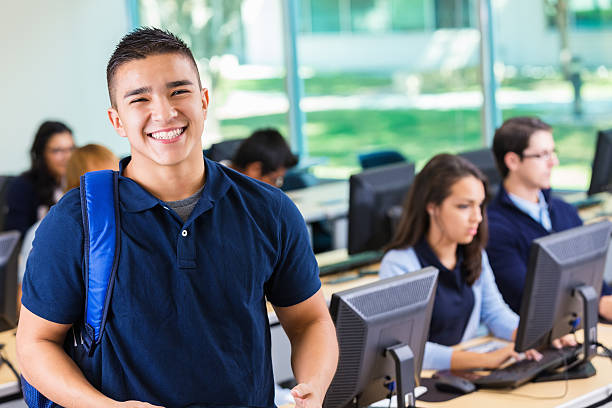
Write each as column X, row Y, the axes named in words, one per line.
column 167, row 135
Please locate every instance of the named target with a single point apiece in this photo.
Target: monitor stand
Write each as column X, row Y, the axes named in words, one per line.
column 581, row 368
column 404, row 374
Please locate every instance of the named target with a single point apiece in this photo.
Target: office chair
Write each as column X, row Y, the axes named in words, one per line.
column 380, row 158
column 485, row 161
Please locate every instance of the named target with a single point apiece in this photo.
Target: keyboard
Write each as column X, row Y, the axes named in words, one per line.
column 523, row 371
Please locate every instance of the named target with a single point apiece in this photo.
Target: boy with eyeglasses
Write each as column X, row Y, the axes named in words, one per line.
column 524, row 208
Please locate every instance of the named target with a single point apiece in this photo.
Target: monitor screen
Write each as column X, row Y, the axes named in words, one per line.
column 369, row 320
column 9, row 249
column 601, row 173
column 558, row 264
column 372, row 195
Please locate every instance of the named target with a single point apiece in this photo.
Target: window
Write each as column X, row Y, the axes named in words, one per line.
column 453, row 13
column 363, row 16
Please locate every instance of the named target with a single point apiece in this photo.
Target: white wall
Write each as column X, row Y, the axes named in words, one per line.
column 54, row 56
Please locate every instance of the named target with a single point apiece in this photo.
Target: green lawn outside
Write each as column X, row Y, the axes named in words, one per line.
column 340, row 135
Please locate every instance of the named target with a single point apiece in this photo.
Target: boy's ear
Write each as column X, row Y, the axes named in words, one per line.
column 115, row 120
column 512, row 160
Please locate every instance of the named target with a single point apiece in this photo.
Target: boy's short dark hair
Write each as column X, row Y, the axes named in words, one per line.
column 142, row 43
column 513, row 136
column 267, row 146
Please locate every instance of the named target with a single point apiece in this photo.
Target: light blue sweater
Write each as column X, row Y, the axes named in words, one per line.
column 489, row 307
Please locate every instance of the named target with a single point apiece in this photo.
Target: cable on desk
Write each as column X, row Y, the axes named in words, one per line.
column 607, row 352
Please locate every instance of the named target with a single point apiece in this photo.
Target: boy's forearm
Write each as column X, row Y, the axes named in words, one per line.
column 314, row 355
column 47, row 367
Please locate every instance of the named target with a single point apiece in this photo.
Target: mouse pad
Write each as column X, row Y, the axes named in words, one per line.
column 433, row 394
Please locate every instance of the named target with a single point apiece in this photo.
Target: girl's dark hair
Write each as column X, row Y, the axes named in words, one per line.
column 433, row 185
column 44, row 182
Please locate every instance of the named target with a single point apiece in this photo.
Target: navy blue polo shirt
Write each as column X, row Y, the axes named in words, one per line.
column 187, row 322
column 454, row 300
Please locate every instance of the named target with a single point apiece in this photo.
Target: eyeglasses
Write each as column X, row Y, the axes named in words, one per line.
column 61, row 150
column 547, row 155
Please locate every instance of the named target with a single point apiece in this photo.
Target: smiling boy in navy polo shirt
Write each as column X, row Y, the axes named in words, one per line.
column 524, row 208
column 202, row 247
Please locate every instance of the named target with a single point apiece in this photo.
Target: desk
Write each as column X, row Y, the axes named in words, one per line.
column 8, row 382
column 549, row 390
column 325, row 202
column 595, row 212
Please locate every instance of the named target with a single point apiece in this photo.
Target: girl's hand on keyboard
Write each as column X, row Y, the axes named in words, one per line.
column 494, row 359
column 533, row 354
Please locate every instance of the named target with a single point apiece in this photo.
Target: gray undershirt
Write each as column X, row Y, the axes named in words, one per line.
column 184, row 207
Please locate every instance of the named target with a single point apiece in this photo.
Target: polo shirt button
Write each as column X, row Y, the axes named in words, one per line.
column 184, row 233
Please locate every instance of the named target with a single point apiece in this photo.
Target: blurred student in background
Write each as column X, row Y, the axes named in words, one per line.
column 524, row 208
column 31, row 194
column 91, row 157
column 443, row 225
column 265, row 156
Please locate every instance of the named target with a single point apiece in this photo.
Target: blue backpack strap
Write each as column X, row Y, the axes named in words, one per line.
column 100, row 210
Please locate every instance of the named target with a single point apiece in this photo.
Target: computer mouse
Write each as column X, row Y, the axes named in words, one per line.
column 454, row 384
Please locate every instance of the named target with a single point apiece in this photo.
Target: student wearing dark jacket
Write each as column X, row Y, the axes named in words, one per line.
column 524, row 209
column 30, row 195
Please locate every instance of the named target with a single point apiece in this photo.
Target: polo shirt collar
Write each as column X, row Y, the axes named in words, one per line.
column 134, row 198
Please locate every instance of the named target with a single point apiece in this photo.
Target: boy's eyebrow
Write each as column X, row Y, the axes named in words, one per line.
column 182, row 82
column 148, row 89
column 138, row 91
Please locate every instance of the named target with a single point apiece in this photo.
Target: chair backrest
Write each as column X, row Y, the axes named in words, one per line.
column 224, row 150
column 380, row 158
column 485, row 161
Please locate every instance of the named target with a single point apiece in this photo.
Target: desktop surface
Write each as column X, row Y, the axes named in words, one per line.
column 540, row 395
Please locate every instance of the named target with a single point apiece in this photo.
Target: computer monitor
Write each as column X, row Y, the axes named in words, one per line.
column 372, row 194
column 562, row 287
column 382, row 329
column 601, row 173
column 9, row 250
column 485, row 161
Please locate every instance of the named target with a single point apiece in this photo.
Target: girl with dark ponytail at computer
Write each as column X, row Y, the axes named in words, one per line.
column 444, row 225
